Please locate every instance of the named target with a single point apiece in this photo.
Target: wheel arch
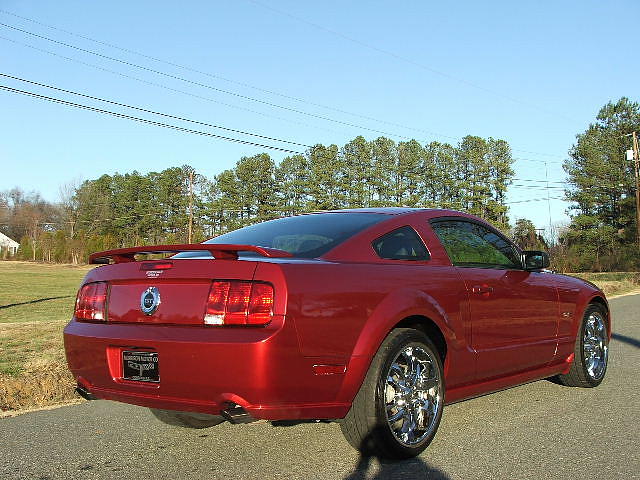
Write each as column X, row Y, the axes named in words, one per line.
column 600, row 300
column 429, row 328
column 590, row 298
column 403, row 308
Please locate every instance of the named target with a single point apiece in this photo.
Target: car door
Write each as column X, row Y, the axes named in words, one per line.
column 514, row 312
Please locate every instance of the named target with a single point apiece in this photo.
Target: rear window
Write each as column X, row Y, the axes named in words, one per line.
column 401, row 244
column 304, row 236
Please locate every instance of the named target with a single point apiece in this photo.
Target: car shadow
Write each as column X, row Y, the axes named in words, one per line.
column 629, row 340
column 389, row 469
column 366, row 469
column 410, row 468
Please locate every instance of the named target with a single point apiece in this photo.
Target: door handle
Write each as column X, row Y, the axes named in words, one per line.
column 482, row 289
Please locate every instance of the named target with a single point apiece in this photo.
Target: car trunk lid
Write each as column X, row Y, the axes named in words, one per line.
column 171, row 290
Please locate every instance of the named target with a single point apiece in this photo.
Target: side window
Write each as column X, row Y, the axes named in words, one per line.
column 473, row 245
column 401, row 244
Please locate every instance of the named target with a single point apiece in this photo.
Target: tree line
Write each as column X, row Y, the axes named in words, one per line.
column 602, row 192
column 133, row 208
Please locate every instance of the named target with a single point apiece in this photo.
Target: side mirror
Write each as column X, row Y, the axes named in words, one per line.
column 535, row 260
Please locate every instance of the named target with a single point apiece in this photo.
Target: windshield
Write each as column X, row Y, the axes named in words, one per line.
column 304, row 236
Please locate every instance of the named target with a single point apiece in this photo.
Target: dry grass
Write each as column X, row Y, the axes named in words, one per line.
column 43, row 382
column 613, row 283
column 33, row 371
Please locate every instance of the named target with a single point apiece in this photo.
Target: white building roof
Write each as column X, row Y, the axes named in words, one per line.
column 7, row 242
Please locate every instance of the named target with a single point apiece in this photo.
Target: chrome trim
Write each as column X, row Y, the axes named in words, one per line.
column 150, row 300
column 412, row 395
column 595, row 349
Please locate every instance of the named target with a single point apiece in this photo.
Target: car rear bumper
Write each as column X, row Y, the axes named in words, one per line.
column 207, row 369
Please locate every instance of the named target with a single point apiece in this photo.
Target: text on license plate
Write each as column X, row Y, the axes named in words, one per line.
column 140, row 366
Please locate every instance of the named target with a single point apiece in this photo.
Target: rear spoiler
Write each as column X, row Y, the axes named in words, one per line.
column 219, row 251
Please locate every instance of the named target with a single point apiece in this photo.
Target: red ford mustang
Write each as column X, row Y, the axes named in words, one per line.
column 373, row 317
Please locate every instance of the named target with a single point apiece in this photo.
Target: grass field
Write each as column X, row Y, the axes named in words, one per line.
column 25, row 290
column 613, row 283
column 36, row 301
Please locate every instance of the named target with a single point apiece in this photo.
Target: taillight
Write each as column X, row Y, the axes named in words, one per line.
column 91, row 302
column 239, row 302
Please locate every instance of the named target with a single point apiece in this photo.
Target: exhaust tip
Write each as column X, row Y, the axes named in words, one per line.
column 236, row 414
column 84, row 393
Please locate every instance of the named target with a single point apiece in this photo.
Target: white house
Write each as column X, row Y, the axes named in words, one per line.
column 8, row 244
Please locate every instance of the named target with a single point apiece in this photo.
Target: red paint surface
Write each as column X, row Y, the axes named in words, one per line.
column 501, row 327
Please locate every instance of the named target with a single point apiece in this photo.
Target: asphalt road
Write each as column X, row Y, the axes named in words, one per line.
column 539, row 430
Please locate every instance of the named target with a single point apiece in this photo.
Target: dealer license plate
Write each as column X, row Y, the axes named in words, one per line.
column 140, row 366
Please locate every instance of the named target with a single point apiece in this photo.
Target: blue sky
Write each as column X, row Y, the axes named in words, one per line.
column 532, row 73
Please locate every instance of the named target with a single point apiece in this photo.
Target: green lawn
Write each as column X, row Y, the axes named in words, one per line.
column 32, row 367
column 30, row 331
column 24, row 282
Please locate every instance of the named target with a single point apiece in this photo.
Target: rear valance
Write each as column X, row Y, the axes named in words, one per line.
column 219, row 251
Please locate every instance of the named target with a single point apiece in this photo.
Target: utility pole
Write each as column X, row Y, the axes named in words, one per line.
column 191, row 204
column 546, row 176
column 636, row 161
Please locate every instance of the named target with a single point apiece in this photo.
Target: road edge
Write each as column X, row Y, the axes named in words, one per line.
column 15, row 413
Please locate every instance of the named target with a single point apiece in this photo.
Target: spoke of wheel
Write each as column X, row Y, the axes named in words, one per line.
column 420, row 369
column 393, row 383
column 409, row 426
column 397, row 416
column 424, row 411
column 412, row 366
column 428, row 383
column 398, row 370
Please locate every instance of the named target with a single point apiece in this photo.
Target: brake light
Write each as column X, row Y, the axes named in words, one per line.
column 239, row 302
column 146, row 266
column 91, row 302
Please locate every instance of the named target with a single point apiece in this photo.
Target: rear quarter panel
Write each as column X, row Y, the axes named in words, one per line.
column 344, row 310
column 345, row 305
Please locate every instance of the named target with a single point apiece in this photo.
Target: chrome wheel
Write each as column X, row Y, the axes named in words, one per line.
column 413, row 394
column 594, row 345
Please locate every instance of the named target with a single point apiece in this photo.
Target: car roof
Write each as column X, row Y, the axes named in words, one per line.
column 432, row 212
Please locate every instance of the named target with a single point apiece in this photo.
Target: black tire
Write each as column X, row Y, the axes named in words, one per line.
column 186, row 419
column 582, row 372
column 368, row 427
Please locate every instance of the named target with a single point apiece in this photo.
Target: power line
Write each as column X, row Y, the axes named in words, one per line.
column 219, row 77
column 538, row 181
column 169, row 88
column 224, row 79
column 538, row 187
column 409, row 60
column 200, row 84
column 165, row 87
column 538, row 161
column 534, row 187
column 535, row 200
column 142, row 120
column 175, row 117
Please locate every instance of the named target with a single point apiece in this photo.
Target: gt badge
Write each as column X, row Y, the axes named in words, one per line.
column 150, row 300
